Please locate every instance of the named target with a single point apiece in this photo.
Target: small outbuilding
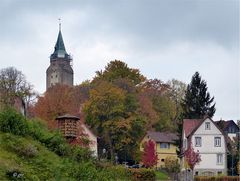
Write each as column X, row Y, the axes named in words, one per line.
column 68, row 125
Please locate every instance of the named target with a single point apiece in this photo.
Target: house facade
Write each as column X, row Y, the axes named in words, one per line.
column 165, row 145
column 209, row 140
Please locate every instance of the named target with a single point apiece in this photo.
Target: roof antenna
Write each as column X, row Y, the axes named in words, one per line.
column 59, row 21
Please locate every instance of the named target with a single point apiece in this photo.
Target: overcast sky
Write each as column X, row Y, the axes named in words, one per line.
column 165, row 39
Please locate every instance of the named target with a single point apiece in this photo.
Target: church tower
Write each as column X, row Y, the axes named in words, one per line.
column 60, row 70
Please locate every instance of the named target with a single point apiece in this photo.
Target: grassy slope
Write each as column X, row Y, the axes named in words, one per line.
column 45, row 165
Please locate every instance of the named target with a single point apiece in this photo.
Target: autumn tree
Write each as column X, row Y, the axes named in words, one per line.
column 113, row 108
column 56, row 101
column 197, row 102
column 192, row 157
column 110, row 111
column 119, row 70
column 13, row 85
column 149, row 155
column 103, row 109
column 157, row 105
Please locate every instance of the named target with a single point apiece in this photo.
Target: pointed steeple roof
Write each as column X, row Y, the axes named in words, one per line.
column 59, row 49
column 59, row 46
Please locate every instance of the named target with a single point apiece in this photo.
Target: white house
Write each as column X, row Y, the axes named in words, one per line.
column 210, row 141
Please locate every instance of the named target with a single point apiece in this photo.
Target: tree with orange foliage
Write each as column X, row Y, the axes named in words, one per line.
column 58, row 100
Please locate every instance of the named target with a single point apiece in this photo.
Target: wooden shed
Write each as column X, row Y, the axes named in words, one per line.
column 68, row 125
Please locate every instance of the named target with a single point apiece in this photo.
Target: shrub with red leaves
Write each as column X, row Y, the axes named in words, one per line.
column 149, row 156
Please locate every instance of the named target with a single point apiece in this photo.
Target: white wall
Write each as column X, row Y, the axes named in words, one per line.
column 93, row 139
column 208, row 151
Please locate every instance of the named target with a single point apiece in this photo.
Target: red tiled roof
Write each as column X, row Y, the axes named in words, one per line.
column 189, row 125
column 163, row 137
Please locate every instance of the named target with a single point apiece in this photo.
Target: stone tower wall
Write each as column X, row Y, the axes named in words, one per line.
column 59, row 72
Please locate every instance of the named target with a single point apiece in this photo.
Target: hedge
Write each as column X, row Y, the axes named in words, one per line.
column 217, row 178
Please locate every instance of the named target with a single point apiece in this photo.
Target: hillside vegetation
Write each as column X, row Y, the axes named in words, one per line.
column 28, row 151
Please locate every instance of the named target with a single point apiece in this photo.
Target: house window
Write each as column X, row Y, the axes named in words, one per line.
column 162, row 160
column 207, row 126
column 217, row 141
column 219, row 173
column 219, row 159
column 165, row 145
column 198, row 141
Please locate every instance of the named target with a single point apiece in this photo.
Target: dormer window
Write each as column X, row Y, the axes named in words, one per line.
column 207, row 126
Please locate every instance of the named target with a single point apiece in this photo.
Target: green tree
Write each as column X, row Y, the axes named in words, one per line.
column 119, row 70
column 197, row 102
column 104, row 108
column 111, row 112
column 166, row 111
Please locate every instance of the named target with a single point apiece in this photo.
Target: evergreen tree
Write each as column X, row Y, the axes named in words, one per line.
column 197, row 101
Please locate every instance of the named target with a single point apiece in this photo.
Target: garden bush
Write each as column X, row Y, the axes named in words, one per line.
column 84, row 171
column 142, row 174
column 57, row 143
column 38, row 130
column 13, row 122
column 80, row 154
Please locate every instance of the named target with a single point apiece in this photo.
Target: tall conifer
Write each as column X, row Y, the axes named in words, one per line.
column 197, row 102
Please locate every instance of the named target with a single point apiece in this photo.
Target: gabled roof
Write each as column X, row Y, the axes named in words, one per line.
column 189, row 125
column 162, row 137
column 225, row 124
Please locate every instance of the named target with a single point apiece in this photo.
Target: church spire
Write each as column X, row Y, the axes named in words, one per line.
column 59, row 49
